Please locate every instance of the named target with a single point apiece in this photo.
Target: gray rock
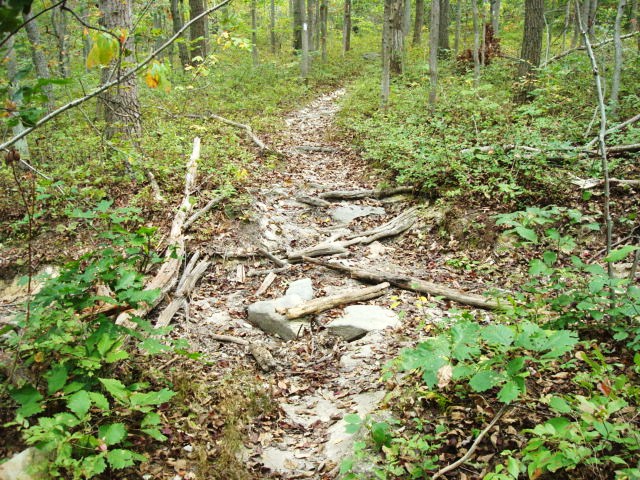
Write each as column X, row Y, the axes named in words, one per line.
column 263, row 315
column 303, row 288
column 360, row 319
column 25, row 466
column 347, row 213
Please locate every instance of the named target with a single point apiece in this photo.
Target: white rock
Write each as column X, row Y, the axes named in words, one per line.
column 360, row 319
column 24, row 465
column 303, row 288
column 347, row 213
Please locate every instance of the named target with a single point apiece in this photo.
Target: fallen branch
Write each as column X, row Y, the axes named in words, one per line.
column 261, row 354
column 576, row 49
column 473, row 447
column 587, row 183
column 321, row 304
column 616, row 149
column 613, row 129
column 314, row 202
column 167, row 275
column 359, row 194
column 273, row 258
column 261, row 145
column 314, row 148
column 212, row 203
column 410, row 283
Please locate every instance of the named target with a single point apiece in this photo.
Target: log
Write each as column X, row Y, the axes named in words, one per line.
column 314, row 202
column 212, row 203
column 320, row 250
column 260, row 353
column 359, row 194
column 167, row 276
column 411, row 283
column 279, row 262
column 321, row 304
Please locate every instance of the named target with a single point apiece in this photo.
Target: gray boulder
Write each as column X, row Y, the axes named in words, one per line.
column 360, row 319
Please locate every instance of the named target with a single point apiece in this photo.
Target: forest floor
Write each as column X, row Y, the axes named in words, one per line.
column 319, row 378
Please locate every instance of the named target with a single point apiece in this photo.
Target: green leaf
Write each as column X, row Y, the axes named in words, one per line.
column 380, row 434
column 538, row 267
column 99, row 400
column 116, row 388
column 56, row 378
column 549, row 258
column 515, row 366
column 120, row 458
column 29, row 399
column 151, row 398
column 560, row 405
column 112, row 433
column 498, row 335
column 509, row 392
column 79, row 403
column 484, row 380
column 150, row 419
column 527, row 233
column 155, row 434
column 620, row 253
column 93, row 465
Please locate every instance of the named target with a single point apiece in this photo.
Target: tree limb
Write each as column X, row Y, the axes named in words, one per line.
column 576, row 49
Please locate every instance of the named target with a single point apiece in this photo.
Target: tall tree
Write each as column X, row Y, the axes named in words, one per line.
column 476, row 42
column 120, row 105
column 443, row 30
column 272, row 26
column 434, row 48
column 304, row 58
column 254, row 33
column 396, row 22
column 297, row 18
column 346, row 27
column 385, row 86
column 418, row 23
column 39, row 60
column 531, row 47
column 178, row 21
column 495, row 15
column 324, row 15
column 9, row 60
column 456, row 42
column 198, row 30
column 617, row 68
column 406, row 18
column 59, row 28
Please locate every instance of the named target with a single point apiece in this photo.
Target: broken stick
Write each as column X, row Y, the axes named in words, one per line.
column 410, row 283
column 321, row 304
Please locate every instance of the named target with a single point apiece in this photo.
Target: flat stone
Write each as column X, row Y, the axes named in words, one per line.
column 347, row 213
column 24, row 466
column 303, row 288
column 263, row 315
column 360, row 319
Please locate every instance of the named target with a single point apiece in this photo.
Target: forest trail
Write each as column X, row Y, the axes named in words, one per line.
column 319, row 378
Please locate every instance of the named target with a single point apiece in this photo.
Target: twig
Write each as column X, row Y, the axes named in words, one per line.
column 261, row 145
column 615, row 128
column 212, row 203
column 273, row 258
column 576, row 49
column 473, row 447
column 29, row 20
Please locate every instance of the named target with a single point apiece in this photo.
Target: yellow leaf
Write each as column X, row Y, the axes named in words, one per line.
column 151, row 80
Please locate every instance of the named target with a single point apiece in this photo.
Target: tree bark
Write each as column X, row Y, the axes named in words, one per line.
column 434, row 43
column 476, row 43
column 346, row 27
column 456, row 44
column 298, row 15
column 304, row 59
column 617, row 68
column 386, row 55
column 272, row 26
column 591, row 23
column 419, row 22
column 22, row 146
column 198, row 30
column 178, row 21
column 324, row 15
column 397, row 36
column 311, row 23
column 59, row 26
column 39, row 59
column 120, row 105
column 443, row 30
column 406, row 18
column 495, row 16
column 254, row 33
column 531, row 47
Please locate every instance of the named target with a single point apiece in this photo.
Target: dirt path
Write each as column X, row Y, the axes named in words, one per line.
column 319, row 377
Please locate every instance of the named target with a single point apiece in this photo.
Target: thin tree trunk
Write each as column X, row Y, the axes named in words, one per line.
column 593, row 9
column 386, row 54
column 434, row 48
column 324, row 14
column 495, row 16
column 397, row 37
column 254, row 33
column 443, row 35
column 310, row 23
column 531, row 47
column 39, row 59
column 476, row 43
column 120, row 105
column 316, row 26
column 567, row 22
column 346, row 27
column 419, row 22
column 178, row 22
column 406, row 18
column 198, row 30
column 59, row 26
column 12, row 69
column 304, row 59
column 298, row 18
column 456, row 42
column 617, row 68
column 635, row 20
column 272, row 26
column 547, row 29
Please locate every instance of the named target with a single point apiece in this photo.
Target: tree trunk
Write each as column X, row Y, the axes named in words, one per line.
column 178, row 22
column 298, row 16
column 272, row 26
column 567, row 22
column 324, row 14
column 39, row 60
column 434, row 47
column 346, row 27
column 443, row 31
column 254, row 33
column 476, row 43
column 12, row 69
column 495, row 15
column 593, row 8
column 617, row 68
column 531, row 47
column 120, row 105
column 59, row 26
column 456, row 44
column 397, row 36
column 386, row 55
column 419, row 22
column 406, row 18
column 198, row 30
column 635, row 21
column 316, row 25
column 304, row 59
column 310, row 23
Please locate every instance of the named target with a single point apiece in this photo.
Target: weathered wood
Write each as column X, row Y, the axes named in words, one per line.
column 587, row 183
column 615, row 128
column 314, row 202
column 260, row 144
column 358, row 194
column 320, row 250
column 410, row 283
column 266, row 283
column 167, row 276
column 260, row 353
column 212, row 203
column 279, row 262
column 321, row 304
